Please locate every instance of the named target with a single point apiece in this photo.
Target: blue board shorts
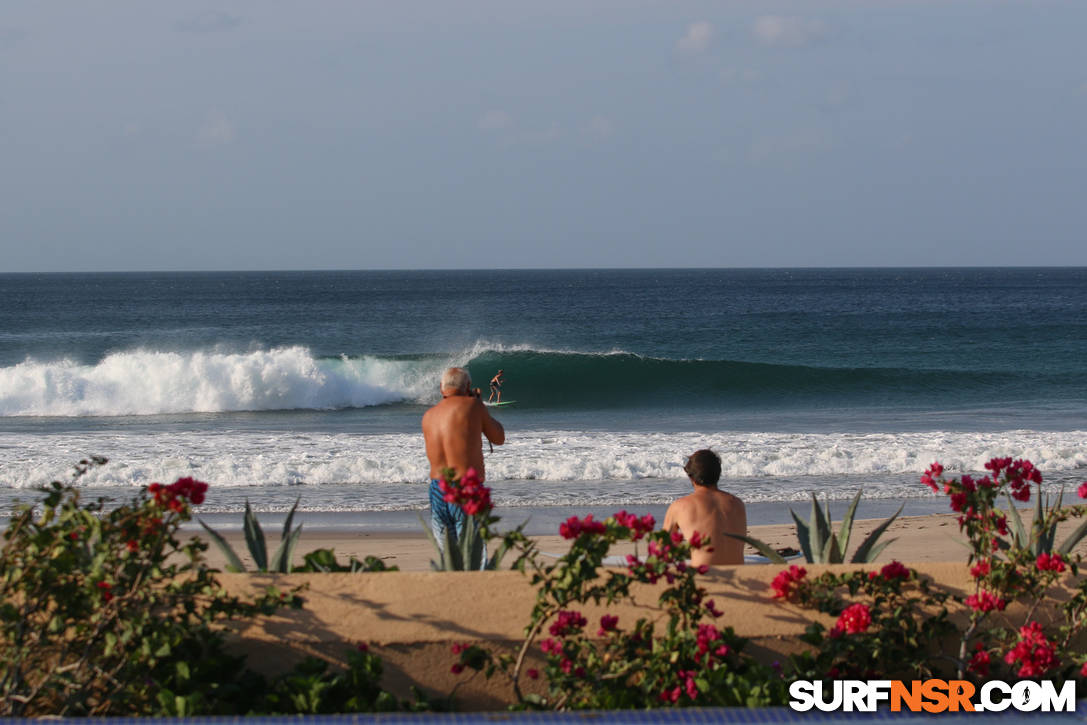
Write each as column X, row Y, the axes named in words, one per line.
column 444, row 515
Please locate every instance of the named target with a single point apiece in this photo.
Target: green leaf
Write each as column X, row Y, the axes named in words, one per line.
column 254, row 539
column 846, row 529
column 1037, row 536
column 233, row 563
column 802, row 537
column 281, row 560
column 1018, row 532
column 287, row 522
column 762, row 547
column 1074, row 538
column 875, row 551
column 865, row 552
column 820, row 530
column 832, row 554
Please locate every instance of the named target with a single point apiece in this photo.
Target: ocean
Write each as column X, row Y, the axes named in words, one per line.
column 277, row 386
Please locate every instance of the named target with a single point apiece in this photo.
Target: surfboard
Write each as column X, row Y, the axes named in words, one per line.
column 504, row 402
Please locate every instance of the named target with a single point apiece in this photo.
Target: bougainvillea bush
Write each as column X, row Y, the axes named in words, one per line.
column 104, row 611
column 888, row 622
column 683, row 658
column 1011, row 626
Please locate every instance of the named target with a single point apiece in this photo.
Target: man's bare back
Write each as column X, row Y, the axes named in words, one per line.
column 709, row 511
column 452, row 430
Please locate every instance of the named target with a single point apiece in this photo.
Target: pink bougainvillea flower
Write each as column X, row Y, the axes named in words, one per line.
column 979, row 663
column 574, row 527
column 551, row 647
column 787, row 582
column 985, row 602
column 895, row 570
column 567, row 622
column 982, row 568
column 855, row 619
column 608, row 623
column 1083, row 490
column 1050, row 562
column 532, row 673
column 1033, row 652
column 457, row 668
column 931, row 474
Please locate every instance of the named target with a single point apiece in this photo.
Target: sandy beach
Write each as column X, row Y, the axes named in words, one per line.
column 932, row 538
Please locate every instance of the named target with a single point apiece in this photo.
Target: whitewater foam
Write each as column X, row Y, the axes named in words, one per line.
column 373, row 471
column 144, row 382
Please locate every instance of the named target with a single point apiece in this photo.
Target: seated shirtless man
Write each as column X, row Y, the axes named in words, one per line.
column 709, row 511
column 451, row 432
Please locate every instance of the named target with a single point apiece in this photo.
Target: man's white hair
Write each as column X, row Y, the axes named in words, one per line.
column 456, row 379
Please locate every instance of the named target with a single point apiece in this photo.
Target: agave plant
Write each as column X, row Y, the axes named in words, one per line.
column 254, row 540
column 820, row 544
column 1041, row 537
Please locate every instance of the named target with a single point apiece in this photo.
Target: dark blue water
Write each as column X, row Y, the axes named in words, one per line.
column 268, row 382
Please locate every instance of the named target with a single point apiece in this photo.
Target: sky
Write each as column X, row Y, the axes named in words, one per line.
column 490, row 134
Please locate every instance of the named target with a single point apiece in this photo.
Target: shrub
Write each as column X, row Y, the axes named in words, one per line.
column 688, row 660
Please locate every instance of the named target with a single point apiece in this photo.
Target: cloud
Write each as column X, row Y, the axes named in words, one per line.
column 209, row 22
column 217, row 130
column 802, row 142
column 494, row 120
column 10, row 37
column 600, row 127
column 697, row 39
column 736, row 76
column 786, row 31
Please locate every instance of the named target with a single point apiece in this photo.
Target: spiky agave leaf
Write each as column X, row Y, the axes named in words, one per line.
column 254, row 539
column 233, row 563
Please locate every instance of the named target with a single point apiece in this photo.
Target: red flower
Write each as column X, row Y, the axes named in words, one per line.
column 895, row 570
column 363, row 647
column 574, row 527
column 107, row 590
column 787, row 582
column 567, row 622
column 1050, row 562
column 958, row 501
column 131, row 545
column 639, row 527
column 1033, row 652
column 458, row 648
column 457, row 668
column 608, row 623
column 979, row 663
column 712, row 608
column 551, row 647
column 931, row 474
column 469, row 493
column 1083, row 670
column 980, row 569
column 855, row 619
column 1083, row 490
column 985, row 602
column 532, row 673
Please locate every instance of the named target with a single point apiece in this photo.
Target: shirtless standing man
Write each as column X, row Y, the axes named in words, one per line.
column 451, row 431
column 496, row 387
column 709, row 511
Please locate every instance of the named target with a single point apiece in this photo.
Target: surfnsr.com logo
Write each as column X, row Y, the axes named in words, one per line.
column 931, row 696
